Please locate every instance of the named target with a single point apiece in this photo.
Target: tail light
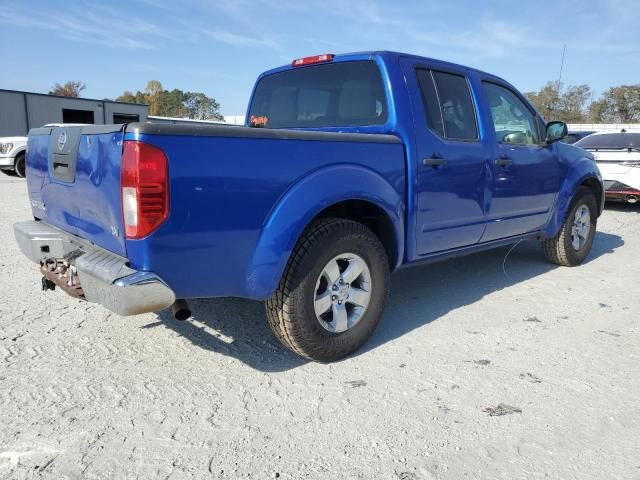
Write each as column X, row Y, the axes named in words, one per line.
column 145, row 188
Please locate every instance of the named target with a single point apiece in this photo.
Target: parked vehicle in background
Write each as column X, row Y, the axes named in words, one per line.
column 618, row 157
column 13, row 154
column 573, row 137
column 363, row 163
column 13, row 151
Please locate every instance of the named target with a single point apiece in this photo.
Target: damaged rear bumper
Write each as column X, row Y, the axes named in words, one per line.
column 100, row 276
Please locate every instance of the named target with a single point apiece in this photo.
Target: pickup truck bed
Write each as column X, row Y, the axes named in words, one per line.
column 241, row 185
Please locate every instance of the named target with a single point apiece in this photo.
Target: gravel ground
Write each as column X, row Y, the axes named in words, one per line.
column 481, row 368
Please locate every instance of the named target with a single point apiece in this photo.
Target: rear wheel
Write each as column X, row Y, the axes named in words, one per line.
column 573, row 242
column 333, row 291
column 20, row 165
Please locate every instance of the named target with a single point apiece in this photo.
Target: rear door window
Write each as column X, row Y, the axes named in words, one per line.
column 448, row 105
column 329, row 95
column 430, row 101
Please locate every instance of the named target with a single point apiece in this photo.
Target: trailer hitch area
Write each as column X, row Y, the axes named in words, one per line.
column 62, row 274
column 47, row 284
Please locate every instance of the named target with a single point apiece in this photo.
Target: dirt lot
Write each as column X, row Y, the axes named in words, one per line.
column 480, row 369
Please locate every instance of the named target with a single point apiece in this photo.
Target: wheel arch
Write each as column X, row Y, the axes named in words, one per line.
column 595, row 185
column 342, row 191
column 20, row 156
column 583, row 173
column 16, row 152
column 371, row 215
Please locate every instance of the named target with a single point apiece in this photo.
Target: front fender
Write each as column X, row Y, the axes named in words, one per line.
column 302, row 203
column 580, row 170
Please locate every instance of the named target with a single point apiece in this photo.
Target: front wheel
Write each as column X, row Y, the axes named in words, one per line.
column 333, row 291
column 20, row 165
column 573, row 242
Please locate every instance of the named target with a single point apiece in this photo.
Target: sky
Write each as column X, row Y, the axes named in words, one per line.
column 219, row 47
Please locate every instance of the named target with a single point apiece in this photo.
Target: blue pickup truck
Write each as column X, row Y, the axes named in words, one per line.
column 350, row 167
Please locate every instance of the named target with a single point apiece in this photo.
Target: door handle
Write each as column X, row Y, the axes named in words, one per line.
column 434, row 162
column 503, row 161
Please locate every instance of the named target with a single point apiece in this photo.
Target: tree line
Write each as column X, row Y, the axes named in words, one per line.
column 576, row 103
column 68, row 89
column 175, row 103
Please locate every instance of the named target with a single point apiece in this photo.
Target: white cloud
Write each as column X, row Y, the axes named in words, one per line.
column 237, row 40
column 104, row 27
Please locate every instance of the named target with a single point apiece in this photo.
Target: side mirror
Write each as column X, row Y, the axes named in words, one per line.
column 556, row 131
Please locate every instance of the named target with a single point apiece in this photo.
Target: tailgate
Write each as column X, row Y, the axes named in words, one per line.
column 73, row 177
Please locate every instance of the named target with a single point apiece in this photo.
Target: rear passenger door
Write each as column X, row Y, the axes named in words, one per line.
column 451, row 157
column 525, row 171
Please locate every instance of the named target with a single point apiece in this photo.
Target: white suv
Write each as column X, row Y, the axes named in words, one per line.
column 12, row 155
column 13, row 151
column 618, row 157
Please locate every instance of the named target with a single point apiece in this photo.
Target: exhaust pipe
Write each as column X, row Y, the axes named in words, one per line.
column 632, row 199
column 180, row 310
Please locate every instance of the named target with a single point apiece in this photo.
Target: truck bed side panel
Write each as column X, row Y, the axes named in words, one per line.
column 222, row 192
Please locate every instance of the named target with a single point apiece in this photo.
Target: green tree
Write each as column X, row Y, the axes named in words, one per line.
column 622, row 104
column 126, row 97
column 152, row 94
column 597, row 112
column 129, row 97
column 201, row 107
column 140, row 98
column 572, row 104
column 171, row 104
column 546, row 100
column 69, row 89
column 554, row 102
column 174, row 103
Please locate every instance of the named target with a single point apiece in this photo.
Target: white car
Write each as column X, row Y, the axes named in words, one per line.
column 13, row 151
column 12, row 155
column 618, row 157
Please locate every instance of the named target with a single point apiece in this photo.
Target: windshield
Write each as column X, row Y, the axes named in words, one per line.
column 617, row 141
column 329, row 95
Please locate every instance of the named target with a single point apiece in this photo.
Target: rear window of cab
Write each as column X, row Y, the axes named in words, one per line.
column 339, row 94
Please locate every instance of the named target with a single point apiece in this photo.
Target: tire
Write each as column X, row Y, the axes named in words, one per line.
column 291, row 310
column 20, row 165
column 564, row 249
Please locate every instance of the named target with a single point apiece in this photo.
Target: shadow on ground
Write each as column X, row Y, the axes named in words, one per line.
column 238, row 328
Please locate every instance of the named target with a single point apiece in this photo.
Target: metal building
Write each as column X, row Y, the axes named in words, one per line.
column 21, row 111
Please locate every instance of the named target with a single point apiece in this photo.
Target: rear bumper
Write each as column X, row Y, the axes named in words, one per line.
column 105, row 277
column 619, row 191
column 619, row 177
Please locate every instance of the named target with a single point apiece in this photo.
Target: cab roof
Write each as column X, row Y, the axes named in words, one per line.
column 386, row 55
